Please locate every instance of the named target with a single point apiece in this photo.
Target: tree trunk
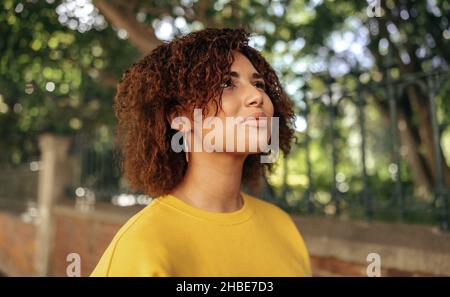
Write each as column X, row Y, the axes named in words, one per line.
column 409, row 150
column 421, row 106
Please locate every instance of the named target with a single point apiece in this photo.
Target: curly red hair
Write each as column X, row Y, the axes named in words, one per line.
column 181, row 75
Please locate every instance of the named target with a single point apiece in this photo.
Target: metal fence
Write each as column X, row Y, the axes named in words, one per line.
column 397, row 200
column 18, row 185
column 96, row 173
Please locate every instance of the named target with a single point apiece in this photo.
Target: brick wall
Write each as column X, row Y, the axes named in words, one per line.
column 337, row 248
column 17, row 245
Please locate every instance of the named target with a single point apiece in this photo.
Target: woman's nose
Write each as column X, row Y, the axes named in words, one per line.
column 253, row 96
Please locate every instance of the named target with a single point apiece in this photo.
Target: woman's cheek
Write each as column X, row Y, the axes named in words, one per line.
column 269, row 105
column 230, row 106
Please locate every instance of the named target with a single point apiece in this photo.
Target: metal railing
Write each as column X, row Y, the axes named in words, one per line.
column 18, row 185
column 96, row 174
column 398, row 202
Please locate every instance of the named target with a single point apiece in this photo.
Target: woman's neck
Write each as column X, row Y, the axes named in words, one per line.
column 212, row 182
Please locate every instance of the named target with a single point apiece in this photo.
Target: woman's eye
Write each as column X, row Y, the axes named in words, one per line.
column 261, row 85
column 227, row 83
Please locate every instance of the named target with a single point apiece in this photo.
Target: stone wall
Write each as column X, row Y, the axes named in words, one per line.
column 404, row 249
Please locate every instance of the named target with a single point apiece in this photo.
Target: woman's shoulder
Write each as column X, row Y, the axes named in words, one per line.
column 267, row 208
column 142, row 224
column 134, row 244
column 269, row 211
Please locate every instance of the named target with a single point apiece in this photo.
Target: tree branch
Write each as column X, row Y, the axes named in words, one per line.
column 140, row 35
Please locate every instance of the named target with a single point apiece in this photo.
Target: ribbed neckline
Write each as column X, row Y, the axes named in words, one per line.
column 222, row 218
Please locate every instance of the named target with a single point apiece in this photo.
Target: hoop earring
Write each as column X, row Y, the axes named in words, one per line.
column 186, row 146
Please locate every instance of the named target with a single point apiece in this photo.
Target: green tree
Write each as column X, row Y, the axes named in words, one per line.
column 54, row 79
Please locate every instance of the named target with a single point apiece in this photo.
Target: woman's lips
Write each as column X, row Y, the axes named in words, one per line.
column 257, row 114
column 257, row 119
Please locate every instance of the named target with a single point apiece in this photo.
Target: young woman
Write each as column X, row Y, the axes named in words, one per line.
column 200, row 222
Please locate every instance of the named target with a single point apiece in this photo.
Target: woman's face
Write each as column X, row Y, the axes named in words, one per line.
column 246, row 112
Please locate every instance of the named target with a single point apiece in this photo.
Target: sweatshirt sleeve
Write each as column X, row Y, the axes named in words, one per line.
column 131, row 257
column 302, row 246
column 134, row 251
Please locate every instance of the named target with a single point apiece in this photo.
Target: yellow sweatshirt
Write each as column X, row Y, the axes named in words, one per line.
column 172, row 238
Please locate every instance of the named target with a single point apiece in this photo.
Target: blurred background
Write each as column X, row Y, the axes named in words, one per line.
column 368, row 173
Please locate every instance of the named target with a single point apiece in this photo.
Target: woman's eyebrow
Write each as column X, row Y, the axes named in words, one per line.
column 254, row 75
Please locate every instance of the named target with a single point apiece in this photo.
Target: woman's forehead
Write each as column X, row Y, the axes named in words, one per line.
column 242, row 64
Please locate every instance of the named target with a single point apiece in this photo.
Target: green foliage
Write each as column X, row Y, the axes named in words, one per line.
column 52, row 78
